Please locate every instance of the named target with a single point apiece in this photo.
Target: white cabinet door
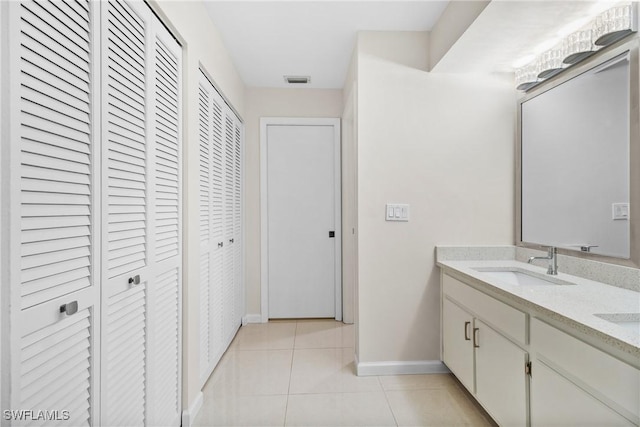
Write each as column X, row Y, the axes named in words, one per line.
column 501, row 382
column 457, row 345
column 53, row 209
column 556, row 401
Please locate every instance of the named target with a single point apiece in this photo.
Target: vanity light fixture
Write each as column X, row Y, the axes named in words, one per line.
column 613, row 25
column 608, row 27
column 550, row 62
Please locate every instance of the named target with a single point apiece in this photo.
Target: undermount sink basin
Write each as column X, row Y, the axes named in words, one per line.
column 628, row 321
column 520, row 277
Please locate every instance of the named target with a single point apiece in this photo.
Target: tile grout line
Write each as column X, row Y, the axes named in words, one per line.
column 395, row 420
column 293, row 351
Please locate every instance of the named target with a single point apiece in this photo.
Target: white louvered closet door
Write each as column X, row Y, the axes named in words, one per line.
column 217, row 227
column 237, row 224
column 141, row 225
column 53, row 203
column 211, row 182
column 204, row 226
column 229, row 320
column 165, row 283
column 126, row 225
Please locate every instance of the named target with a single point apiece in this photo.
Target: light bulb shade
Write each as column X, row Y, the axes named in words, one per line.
column 550, row 63
column 527, row 76
column 613, row 24
column 577, row 46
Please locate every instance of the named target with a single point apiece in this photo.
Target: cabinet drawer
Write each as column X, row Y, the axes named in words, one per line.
column 609, row 379
column 502, row 317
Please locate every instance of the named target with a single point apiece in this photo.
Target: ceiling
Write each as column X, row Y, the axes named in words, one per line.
column 270, row 39
column 507, row 31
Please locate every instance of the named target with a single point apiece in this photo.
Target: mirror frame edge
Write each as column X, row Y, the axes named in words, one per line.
column 631, row 44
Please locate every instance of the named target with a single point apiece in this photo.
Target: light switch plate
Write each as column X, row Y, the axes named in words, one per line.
column 397, row 212
column 620, row 211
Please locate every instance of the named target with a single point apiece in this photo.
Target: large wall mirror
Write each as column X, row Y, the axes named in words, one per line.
column 577, row 138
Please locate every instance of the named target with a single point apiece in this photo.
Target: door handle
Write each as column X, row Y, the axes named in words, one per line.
column 476, row 338
column 466, row 331
column 220, row 244
column 135, row 280
column 231, row 240
column 69, row 308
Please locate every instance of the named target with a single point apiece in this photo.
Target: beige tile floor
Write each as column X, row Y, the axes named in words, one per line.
column 301, row 373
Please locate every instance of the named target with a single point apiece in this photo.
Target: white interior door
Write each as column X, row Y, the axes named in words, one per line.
column 301, row 215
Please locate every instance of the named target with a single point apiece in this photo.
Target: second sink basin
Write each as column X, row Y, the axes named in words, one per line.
column 518, row 277
column 628, row 321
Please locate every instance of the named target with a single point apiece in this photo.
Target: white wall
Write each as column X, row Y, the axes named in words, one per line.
column 445, row 145
column 262, row 102
column 189, row 21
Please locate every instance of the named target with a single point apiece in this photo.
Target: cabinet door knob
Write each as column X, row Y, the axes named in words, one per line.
column 231, row 240
column 476, row 338
column 69, row 308
column 466, row 331
column 220, row 244
column 135, row 280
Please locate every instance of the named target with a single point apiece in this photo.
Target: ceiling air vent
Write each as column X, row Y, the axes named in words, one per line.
column 297, row 80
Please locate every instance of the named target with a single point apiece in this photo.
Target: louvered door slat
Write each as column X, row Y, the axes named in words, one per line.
column 167, row 152
column 126, row 137
column 206, row 324
column 237, row 224
column 58, row 37
column 41, row 51
column 41, row 84
column 68, row 33
column 55, row 366
column 228, row 255
column 55, row 150
column 205, row 317
column 58, row 158
column 204, row 161
column 166, row 365
column 49, row 247
column 125, row 347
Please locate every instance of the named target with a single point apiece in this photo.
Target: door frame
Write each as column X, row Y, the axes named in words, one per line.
column 265, row 122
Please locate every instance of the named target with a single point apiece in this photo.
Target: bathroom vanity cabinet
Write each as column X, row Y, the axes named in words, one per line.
column 523, row 370
column 576, row 384
column 486, row 359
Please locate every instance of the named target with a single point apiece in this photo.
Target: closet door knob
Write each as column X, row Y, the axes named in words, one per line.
column 231, row 240
column 220, row 244
column 69, row 308
column 135, row 280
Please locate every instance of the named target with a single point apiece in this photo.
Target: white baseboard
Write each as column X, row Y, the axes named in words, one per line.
column 189, row 415
column 364, row 369
column 251, row 318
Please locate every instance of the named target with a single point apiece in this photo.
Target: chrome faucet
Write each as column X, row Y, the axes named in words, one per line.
column 552, row 256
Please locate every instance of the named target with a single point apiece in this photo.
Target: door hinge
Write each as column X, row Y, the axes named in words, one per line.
column 527, row 368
